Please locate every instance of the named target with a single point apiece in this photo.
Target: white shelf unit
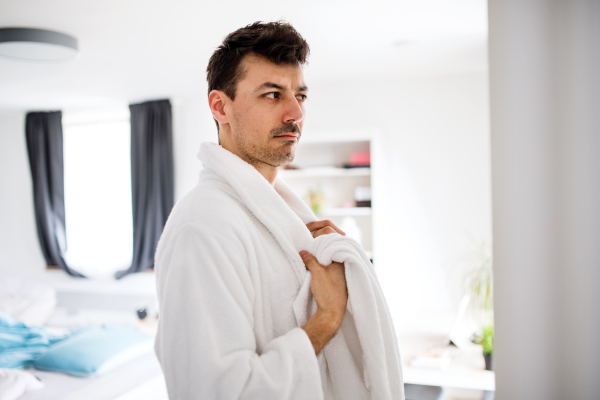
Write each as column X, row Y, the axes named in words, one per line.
column 326, row 171
column 320, row 165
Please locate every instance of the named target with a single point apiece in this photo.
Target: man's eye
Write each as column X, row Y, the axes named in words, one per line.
column 272, row 95
column 301, row 97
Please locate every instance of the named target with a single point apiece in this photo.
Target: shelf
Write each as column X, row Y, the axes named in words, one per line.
column 347, row 211
column 324, row 172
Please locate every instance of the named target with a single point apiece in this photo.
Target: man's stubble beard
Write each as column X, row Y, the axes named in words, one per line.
column 261, row 153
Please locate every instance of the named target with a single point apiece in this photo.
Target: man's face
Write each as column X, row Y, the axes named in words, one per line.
column 267, row 114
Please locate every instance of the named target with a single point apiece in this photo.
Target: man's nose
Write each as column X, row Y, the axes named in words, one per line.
column 293, row 111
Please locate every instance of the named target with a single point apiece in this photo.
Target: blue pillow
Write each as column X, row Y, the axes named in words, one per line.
column 95, row 350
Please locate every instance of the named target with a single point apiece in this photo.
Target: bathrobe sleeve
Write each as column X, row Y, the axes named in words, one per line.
column 205, row 342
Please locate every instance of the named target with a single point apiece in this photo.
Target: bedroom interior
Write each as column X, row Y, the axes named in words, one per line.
column 401, row 144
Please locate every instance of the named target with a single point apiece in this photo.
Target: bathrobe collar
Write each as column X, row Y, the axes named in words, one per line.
column 277, row 207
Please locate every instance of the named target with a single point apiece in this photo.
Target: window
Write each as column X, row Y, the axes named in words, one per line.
column 98, row 191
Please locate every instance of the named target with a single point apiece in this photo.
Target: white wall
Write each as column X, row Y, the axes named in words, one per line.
column 19, row 249
column 545, row 103
column 192, row 125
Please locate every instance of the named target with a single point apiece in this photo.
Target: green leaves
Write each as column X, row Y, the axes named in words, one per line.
column 486, row 339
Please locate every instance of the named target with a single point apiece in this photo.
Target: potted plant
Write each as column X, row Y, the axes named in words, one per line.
column 486, row 339
column 478, row 281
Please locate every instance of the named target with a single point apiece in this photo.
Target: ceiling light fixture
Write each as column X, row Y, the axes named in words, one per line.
column 31, row 44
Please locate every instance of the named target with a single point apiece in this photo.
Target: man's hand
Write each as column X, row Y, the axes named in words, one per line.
column 329, row 289
column 318, row 228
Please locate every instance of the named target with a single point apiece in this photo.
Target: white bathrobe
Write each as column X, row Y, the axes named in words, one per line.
column 234, row 294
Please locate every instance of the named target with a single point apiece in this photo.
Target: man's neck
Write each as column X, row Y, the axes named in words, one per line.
column 268, row 171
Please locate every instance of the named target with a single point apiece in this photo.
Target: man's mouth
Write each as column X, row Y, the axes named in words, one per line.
column 289, row 131
column 288, row 136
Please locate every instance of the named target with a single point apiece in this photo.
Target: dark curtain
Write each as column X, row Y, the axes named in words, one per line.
column 43, row 131
column 152, row 179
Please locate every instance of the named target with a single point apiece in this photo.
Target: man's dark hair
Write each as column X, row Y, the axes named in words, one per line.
column 278, row 42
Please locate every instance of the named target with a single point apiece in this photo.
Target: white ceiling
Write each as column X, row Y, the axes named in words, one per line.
column 135, row 50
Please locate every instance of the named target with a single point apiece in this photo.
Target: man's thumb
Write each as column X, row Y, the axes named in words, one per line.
column 307, row 258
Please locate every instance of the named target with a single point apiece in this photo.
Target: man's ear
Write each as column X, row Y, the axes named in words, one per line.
column 217, row 101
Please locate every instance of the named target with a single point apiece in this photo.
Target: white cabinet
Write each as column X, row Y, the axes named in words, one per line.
column 325, row 167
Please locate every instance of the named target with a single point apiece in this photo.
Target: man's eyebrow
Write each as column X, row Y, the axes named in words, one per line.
column 276, row 86
column 269, row 85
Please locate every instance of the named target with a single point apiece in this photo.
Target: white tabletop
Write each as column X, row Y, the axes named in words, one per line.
column 466, row 371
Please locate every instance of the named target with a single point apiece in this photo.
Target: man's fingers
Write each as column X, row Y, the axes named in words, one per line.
column 323, row 231
column 318, row 225
column 313, row 226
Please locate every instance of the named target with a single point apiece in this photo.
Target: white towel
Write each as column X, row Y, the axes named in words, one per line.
column 364, row 352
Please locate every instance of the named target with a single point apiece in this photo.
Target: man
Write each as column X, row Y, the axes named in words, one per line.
column 237, row 320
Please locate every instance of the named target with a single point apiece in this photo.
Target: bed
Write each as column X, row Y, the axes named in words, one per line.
column 128, row 382
column 140, row 377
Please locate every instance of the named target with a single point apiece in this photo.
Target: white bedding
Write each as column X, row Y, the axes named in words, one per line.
column 129, row 378
column 28, row 301
column 13, row 383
